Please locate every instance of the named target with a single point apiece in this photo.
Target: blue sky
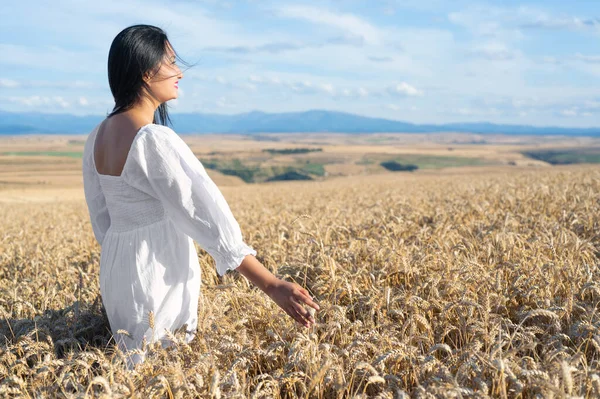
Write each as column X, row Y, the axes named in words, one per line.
column 423, row 61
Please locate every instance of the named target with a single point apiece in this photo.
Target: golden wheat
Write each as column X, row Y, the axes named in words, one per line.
column 475, row 285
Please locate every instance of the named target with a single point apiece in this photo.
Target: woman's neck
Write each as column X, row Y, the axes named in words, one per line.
column 143, row 111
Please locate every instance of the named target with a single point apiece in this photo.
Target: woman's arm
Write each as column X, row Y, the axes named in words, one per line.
column 288, row 296
column 163, row 166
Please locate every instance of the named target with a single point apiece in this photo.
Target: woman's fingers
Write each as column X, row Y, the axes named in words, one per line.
column 303, row 312
column 297, row 316
column 305, row 298
column 294, row 301
column 311, row 303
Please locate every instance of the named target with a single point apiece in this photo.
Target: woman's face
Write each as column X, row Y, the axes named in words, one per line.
column 164, row 85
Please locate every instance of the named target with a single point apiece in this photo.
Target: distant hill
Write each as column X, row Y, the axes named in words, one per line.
column 261, row 122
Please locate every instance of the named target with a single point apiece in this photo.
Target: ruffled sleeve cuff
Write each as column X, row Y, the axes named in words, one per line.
column 230, row 260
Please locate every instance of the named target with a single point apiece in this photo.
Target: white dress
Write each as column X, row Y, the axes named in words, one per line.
column 145, row 220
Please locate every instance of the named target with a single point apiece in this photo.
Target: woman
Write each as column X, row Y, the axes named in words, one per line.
column 149, row 197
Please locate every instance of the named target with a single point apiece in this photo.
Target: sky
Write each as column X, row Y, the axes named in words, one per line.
column 420, row 61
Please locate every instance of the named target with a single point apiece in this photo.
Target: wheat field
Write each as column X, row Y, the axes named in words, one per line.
column 466, row 285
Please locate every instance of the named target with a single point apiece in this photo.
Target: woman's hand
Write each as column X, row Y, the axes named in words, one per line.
column 291, row 297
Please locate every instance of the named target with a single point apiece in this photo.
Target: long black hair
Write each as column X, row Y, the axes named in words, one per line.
column 134, row 52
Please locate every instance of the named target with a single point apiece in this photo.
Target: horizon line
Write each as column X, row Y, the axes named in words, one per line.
column 322, row 110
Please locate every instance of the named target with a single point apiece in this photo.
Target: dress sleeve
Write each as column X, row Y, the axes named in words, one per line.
column 165, row 167
column 94, row 197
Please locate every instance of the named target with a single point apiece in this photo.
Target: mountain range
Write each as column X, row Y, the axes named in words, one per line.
column 260, row 122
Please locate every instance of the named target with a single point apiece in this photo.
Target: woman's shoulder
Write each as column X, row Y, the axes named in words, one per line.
column 158, row 131
column 160, row 136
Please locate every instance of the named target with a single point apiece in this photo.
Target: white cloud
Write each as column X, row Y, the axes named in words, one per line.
column 311, row 85
column 545, row 21
column 593, row 59
column 9, row 83
column 577, row 111
column 344, row 21
column 49, row 58
column 592, row 105
column 486, row 20
column 37, row 101
column 224, row 102
column 193, row 76
column 569, row 112
column 421, row 5
column 58, row 104
column 494, row 51
column 97, row 24
column 40, row 84
column 404, row 89
column 380, row 59
column 396, row 107
column 328, row 88
column 249, row 86
column 550, row 60
column 304, row 86
column 481, row 20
